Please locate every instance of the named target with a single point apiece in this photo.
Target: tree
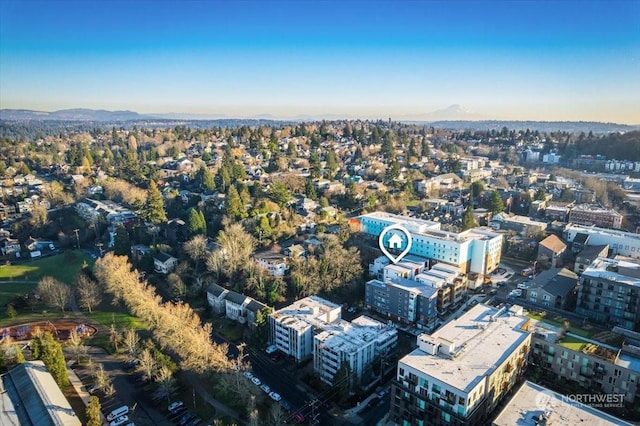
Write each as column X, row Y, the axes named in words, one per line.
column 39, row 216
column 332, row 163
column 153, row 209
column 167, row 385
column 121, row 242
column 342, row 379
column 54, row 293
column 495, row 203
column 114, row 337
column 19, row 356
column 208, row 180
column 477, row 188
column 235, row 209
column 541, row 194
column 177, row 286
column 11, row 311
column 88, row 291
column 53, row 357
column 196, row 249
column 236, row 247
column 468, row 220
column 196, row 222
column 75, row 345
column 131, row 343
column 279, row 193
column 263, row 229
column 147, row 365
column 93, row 412
column 310, row 190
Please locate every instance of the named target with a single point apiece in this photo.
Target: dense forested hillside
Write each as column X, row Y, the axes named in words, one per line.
column 624, row 146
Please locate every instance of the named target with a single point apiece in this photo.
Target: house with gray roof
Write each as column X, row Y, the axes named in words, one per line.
column 216, row 298
column 588, row 255
column 555, row 287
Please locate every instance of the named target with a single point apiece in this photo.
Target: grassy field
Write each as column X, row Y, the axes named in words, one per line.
column 10, row 290
column 64, row 267
column 121, row 320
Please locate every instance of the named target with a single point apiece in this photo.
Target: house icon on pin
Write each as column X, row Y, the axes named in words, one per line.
column 395, row 242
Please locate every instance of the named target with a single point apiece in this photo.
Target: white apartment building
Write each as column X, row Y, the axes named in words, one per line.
column 476, row 250
column 460, row 373
column 292, row 328
column 620, row 242
column 357, row 343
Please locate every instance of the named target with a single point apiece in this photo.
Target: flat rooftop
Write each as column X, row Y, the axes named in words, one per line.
column 481, row 339
column 349, row 337
column 533, row 400
column 617, row 270
column 601, row 231
column 303, row 313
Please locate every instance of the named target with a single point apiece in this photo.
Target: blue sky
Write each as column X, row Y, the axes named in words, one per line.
column 508, row 59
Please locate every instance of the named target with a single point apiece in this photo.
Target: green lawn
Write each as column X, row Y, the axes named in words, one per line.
column 556, row 322
column 121, row 320
column 573, row 343
column 64, row 267
column 10, row 290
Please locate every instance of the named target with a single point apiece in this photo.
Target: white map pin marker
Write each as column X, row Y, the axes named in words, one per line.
column 392, row 242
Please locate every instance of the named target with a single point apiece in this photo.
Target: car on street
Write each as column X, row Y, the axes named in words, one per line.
column 119, row 421
column 248, row 375
column 271, row 349
column 256, row 381
column 175, row 406
column 186, row 419
column 265, row 388
column 275, row 396
column 285, row 405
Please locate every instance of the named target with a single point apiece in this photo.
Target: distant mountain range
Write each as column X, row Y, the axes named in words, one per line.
column 453, row 117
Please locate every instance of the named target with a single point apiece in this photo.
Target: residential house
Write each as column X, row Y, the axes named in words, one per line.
column 10, row 246
column 164, row 263
column 275, row 264
column 216, row 296
column 138, row 251
column 554, row 288
column 234, row 306
column 550, row 250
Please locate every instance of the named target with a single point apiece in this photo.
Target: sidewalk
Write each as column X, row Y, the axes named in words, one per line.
column 80, row 390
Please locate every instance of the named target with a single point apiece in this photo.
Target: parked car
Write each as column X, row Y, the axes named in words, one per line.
column 271, row 349
column 256, row 381
column 175, row 406
column 285, row 405
column 275, row 396
column 265, row 388
column 119, row 421
column 248, row 375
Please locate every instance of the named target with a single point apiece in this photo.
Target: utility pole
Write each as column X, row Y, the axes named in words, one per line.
column 77, row 237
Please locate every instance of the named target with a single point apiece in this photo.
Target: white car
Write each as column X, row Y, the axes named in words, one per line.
column 275, row 396
column 175, row 405
column 119, row 421
column 516, row 293
column 265, row 388
column 248, row 375
column 256, row 381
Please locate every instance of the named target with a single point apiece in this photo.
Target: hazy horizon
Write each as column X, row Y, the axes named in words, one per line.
column 502, row 60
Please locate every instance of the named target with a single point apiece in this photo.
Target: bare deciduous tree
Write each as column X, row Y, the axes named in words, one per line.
column 196, row 249
column 147, row 365
column 54, row 293
column 89, row 293
column 166, row 383
column 75, row 345
column 131, row 343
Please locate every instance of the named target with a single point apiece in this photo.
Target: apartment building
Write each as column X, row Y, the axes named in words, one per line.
column 520, row 224
column 358, row 344
column 533, row 404
column 403, row 300
column 476, row 250
column 611, row 368
column 609, row 290
column 459, row 374
column 620, row 242
column 595, row 214
column 291, row 329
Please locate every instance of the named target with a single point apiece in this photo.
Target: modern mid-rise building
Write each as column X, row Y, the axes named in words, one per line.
column 620, row 242
column 476, row 250
column 358, row 344
column 611, row 368
column 460, row 373
column 533, row 404
column 608, row 293
column 595, row 214
column 292, row 328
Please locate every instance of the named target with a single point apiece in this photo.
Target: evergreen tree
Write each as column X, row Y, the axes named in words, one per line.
column 235, row 208
column 196, row 222
column 153, row 209
column 93, row 412
column 208, row 181
column 310, row 189
column 468, row 221
column 19, row 356
column 495, row 203
column 122, row 243
column 425, row 151
column 53, row 358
